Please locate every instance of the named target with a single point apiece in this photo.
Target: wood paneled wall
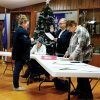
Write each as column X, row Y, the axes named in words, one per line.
column 96, row 39
column 2, row 10
column 61, row 5
column 95, row 60
column 36, row 7
column 33, row 22
column 65, row 5
column 74, row 4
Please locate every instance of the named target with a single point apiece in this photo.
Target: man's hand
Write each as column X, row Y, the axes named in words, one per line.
column 66, row 55
column 55, row 39
column 71, row 58
column 32, row 39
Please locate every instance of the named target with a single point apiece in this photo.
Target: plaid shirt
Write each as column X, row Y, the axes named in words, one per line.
column 79, row 42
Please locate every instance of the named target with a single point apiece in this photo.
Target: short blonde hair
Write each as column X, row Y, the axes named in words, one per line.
column 22, row 19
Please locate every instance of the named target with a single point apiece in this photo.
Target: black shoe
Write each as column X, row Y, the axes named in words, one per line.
column 75, row 92
column 24, row 76
column 85, row 97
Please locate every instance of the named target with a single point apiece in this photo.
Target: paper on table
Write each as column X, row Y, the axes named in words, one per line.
column 50, row 36
column 62, row 63
column 67, row 69
column 62, row 59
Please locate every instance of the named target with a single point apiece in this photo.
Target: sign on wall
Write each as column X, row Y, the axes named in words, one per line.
column 69, row 15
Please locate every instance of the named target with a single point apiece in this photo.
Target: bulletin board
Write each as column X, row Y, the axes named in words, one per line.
column 69, row 15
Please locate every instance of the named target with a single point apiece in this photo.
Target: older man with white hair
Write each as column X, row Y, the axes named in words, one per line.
column 62, row 37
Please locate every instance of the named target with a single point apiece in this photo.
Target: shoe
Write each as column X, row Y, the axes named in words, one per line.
column 75, row 92
column 24, row 76
column 84, row 97
column 19, row 89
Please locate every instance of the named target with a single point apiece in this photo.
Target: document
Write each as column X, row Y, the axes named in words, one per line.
column 50, row 36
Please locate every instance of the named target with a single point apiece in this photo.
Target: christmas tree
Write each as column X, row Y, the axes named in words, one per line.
column 45, row 20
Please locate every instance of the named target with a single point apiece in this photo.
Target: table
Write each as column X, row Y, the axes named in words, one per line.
column 62, row 68
column 2, row 53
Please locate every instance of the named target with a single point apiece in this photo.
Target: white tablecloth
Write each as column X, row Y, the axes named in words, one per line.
column 62, row 68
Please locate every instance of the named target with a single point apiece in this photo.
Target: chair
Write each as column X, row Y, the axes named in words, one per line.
column 37, row 74
column 35, row 71
column 8, row 62
column 34, row 75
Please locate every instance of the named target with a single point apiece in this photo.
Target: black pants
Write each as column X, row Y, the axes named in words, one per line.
column 83, row 85
column 35, row 68
column 17, row 69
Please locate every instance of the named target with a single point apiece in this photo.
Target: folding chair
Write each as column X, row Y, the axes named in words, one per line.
column 35, row 71
column 35, row 74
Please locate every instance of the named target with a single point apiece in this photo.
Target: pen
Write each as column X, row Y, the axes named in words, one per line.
column 75, row 61
column 66, row 69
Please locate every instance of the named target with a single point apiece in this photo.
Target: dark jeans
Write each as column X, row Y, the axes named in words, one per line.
column 17, row 69
column 83, row 85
